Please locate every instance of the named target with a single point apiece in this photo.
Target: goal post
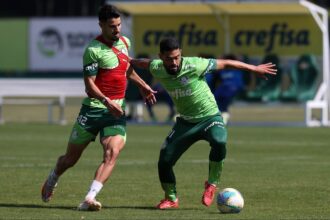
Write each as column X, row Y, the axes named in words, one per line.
column 322, row 97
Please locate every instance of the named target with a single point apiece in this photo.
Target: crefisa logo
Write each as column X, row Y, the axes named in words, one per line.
column 50, row 42
column 186, row 33
column 277, row 35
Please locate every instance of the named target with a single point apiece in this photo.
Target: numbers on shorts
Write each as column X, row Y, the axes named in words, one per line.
column 82, row 119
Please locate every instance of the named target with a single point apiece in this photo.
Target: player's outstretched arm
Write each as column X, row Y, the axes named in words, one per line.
column 261, row 70
column 141, row 63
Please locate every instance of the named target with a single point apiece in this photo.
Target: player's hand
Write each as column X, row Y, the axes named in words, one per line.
column 267, row 68
column 148, row 94
column 113, row 107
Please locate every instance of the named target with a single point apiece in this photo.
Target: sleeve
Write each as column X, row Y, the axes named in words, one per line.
column 205, row 65
column 90, row 63
column 154, row 67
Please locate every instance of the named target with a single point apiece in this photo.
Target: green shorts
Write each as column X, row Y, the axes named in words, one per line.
column 92, row 121
column 184, row 134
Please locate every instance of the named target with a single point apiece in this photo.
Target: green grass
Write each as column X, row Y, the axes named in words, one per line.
column 283, row 173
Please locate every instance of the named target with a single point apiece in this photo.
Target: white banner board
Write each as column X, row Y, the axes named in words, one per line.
column 58, row 43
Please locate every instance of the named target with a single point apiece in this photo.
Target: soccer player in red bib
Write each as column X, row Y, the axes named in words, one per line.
column 106, row 69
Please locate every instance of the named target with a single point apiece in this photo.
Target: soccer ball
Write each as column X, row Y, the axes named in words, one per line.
column 230, row 200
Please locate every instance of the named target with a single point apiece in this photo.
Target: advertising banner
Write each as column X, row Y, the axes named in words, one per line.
column 285, row 35
column 252, row 34
column 196, row 34
column 59, row 43
column 13, row 44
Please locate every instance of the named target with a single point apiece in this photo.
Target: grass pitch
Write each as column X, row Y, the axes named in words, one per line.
column 283, row 173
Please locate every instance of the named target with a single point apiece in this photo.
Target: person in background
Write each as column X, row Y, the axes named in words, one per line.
column 162, row 95
column 134, row 100
column 225, row 84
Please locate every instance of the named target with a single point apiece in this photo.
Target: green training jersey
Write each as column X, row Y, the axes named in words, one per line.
column 99, row 56
column 188, row 89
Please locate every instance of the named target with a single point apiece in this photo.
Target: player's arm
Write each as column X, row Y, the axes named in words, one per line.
column 94, row 92
column 262, row 69
column 91, row 67
column 142, row 63
column 145, row 90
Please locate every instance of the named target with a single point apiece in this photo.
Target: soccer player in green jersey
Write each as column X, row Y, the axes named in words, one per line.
column 199, row 117
column 106, row 69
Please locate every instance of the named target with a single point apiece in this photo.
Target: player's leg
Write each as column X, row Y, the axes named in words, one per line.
column 151, row 112
column 112, row 145
column 81, row 135
column 223, row 105
column 215, row 133
column 113, row 139
column 223, row 96
column 79, row 140
column 177, row 142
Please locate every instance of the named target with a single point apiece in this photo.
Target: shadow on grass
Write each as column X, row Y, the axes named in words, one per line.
column 143, row 208
column 130, row 207
column 34, row 206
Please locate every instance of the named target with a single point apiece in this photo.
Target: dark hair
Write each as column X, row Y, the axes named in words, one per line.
column 107, row 12
column 168, row 44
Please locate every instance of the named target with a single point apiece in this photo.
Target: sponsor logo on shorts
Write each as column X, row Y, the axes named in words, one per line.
column 119, row 127
column 215, row 123
column 74, row 134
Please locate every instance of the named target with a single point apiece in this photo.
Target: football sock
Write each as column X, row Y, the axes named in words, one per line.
column 94, row 189
column 215, row 169
column 170, row 191
column 52, row 178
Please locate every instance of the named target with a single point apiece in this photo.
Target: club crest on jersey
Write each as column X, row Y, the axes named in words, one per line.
column 184, row 80
column 124, row 51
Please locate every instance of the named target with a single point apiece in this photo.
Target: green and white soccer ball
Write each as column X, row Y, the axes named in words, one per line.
column 230, row 200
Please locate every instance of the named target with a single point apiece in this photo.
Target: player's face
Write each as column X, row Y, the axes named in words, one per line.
column 171, row 61
column 111, row 29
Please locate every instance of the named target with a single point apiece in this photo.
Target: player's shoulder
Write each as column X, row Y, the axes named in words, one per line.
column 157, row 68
column 195, row 60
column 197, row 63
column 126, row 40
column 190, row 63
column 123, row 42
column 156, row 65
column 93, row 46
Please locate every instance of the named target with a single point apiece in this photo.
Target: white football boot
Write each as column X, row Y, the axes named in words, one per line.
column 90, row 205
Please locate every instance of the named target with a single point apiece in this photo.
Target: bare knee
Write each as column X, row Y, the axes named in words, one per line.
column 110, row 155
column 112, row 147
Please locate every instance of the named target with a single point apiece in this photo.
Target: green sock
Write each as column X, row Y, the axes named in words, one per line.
column 170, row 191
column 215, row 169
